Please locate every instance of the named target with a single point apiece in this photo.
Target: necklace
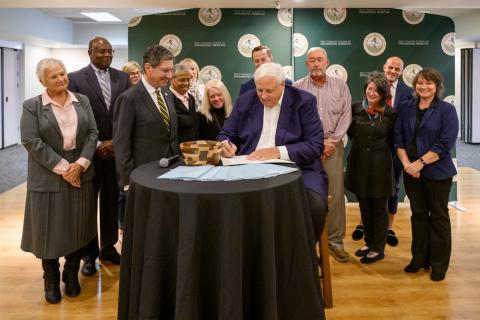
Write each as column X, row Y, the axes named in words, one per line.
column 216, row 120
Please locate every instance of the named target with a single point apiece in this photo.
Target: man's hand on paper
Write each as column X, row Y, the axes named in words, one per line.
column 264, row 154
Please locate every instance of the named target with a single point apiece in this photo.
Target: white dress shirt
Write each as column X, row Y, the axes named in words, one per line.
column 269, row 129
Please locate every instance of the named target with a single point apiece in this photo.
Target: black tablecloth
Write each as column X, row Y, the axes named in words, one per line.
column 237, row 250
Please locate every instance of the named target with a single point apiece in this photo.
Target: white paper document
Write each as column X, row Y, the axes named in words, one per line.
column 236, row 160
column 227, row 173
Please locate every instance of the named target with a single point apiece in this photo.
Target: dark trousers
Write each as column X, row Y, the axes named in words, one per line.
column 375, row 221
column 318, row 209
column 393, row 201
column 431, row 230
column 105, row 186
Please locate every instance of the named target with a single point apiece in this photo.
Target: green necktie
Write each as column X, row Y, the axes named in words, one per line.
column 163, row 110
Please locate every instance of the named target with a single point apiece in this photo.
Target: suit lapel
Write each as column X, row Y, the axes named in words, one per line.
column 412, row 115
column 48, row 112
column 93, row 83
column 256, row 120
column 81, row 119
column 284, row 118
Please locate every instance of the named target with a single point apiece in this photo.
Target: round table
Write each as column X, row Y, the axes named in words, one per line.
column 229, row 250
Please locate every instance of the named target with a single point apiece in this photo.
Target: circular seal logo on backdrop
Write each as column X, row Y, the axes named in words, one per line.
column 210, row 72
column 209, row 16
column 374, row 44
column 300, row 44
column 135, row 21
column 337, row 71
column 288, row 72
column 246, row 43
column 172, row 43
column 409, row 73
column 450, row 99
column 448, row 43
column 285, row 17
column 335, row 15
column 413, row 17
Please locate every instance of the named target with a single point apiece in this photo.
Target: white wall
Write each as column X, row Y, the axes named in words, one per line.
column 18, row 24
column 32, row 55
column 73, row 58
column 117, row 34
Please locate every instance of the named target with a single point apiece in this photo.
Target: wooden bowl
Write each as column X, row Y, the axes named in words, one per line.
column 201, row 152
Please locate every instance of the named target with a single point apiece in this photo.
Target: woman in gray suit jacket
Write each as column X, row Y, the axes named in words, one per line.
column 59, row 132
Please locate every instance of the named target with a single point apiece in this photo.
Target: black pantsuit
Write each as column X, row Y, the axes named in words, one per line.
column 375, row 220
column 431, row 231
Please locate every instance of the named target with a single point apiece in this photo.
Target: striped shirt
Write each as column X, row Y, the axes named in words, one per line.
column 334, row 105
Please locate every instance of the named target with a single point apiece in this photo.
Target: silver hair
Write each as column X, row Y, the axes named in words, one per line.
column 270, row 69
column 180, row 67
column 48, row 63
column 315, row 49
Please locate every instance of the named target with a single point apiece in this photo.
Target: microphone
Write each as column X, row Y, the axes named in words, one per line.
column 165, row 162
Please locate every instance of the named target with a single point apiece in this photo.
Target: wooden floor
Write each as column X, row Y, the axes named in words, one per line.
column 378, row 291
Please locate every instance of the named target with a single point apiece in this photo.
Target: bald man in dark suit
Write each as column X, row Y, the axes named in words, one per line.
column 102, row 85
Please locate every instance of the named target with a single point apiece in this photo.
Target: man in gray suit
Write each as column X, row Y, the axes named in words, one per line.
column 102, row 85
column 145, row 122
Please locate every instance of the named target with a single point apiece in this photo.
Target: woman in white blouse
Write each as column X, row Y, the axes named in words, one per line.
column 59, row 132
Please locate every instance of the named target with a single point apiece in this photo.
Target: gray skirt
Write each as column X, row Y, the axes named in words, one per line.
column 59, row 223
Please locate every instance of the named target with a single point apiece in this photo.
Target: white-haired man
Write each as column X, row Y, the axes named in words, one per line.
column 334, row 107
column 278, row 121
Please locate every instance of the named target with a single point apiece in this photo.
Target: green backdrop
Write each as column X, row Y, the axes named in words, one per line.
column 215, row 38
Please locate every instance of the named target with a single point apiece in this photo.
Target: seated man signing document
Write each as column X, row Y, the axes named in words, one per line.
column 278, row 121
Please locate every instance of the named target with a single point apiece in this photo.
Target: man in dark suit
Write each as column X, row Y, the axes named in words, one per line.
column 400, row 92
column 145, row 122
column 278, row 121
column 260, row 55
column 102, row 85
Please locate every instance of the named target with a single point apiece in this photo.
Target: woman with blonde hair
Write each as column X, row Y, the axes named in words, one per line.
column 196, row 87
column 134, row 72
column 214, row 110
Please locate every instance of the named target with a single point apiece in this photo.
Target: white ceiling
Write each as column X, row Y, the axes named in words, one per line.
column 127, row 9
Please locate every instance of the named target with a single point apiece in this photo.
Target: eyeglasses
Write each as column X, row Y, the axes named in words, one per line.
column 105, row 51
column 132, row 74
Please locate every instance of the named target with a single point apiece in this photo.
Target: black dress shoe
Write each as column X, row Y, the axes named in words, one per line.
column 366, row 259
column 437, row 276
column 392, row 239
column 110, row 255
column 413, row 268
column 362, row 253
column 358, row 233
column 89, row 269
column 72, row 286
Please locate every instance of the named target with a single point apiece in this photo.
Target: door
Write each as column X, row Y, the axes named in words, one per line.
column 11, row 98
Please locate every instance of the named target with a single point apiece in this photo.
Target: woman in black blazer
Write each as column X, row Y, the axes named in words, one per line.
column 58, row 130
column 187, row 117
column 425, row 132
column 369, row 172
column 214, row 110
